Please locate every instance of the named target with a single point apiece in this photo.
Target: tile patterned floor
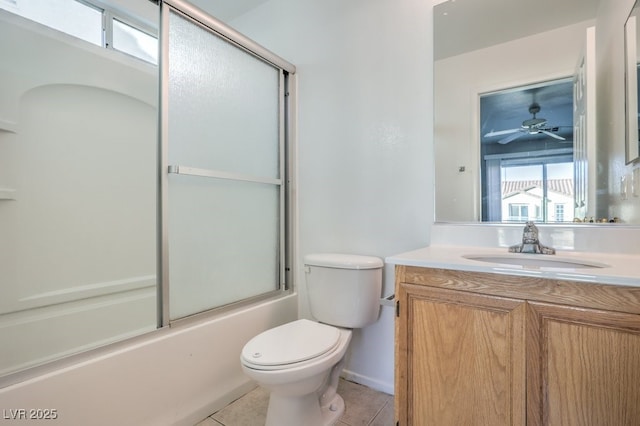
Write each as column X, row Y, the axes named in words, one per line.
column 364, row 407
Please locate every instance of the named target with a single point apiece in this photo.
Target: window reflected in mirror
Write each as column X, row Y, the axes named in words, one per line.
column 526, row 154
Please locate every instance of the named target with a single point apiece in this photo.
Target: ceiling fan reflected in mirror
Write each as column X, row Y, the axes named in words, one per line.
column 531, row 126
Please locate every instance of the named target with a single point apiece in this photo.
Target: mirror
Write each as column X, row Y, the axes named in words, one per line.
column 489, row 46
column 632, row 58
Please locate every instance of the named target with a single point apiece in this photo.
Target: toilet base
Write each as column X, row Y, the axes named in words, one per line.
column 332, row 413
column 303, row 410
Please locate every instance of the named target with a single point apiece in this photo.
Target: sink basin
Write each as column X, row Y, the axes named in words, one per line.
column 535, row 261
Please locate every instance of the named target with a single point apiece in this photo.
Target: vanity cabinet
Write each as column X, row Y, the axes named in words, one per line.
column 490, row 349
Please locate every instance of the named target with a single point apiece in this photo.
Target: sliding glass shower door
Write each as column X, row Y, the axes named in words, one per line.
column 225, row 186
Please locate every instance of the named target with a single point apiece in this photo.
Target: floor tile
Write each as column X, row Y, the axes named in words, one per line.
column 386, row 416
column 208, row 422
column 363, row 406
column 250, row 410
column 362, row 403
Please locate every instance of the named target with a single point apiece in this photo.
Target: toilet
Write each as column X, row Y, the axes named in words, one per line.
column 300, row 362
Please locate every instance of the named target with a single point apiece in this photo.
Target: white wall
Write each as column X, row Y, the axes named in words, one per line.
column 364, row 136
column 458, row 82
column 612, row 15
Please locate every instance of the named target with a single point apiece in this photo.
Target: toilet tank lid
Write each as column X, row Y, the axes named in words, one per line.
column 343, row 261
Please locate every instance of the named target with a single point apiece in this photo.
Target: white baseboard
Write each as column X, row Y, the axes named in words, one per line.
column 368, row 382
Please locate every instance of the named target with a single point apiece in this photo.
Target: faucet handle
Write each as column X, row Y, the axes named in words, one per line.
column 531, row 242
column 530, row 233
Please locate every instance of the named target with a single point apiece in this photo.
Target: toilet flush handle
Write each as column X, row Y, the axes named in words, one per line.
column 388, row 300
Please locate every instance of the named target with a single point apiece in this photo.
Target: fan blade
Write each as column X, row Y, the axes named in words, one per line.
column 501, row 132
column 553, row 135
column 510, row 138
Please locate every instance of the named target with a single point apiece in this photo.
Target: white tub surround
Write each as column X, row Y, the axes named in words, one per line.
column 174, row 376
column 620, row 269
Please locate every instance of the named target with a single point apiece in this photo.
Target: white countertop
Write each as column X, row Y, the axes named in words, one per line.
column 620, row 269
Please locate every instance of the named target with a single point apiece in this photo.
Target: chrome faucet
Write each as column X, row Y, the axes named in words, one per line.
column 530, row 242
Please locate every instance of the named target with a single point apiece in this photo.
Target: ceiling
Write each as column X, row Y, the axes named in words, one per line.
column 464, row 25
column 227, row 10
column 508, row 109
column 469, row 24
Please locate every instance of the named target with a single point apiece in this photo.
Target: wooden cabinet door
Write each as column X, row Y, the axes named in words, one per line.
column 460, row 358
column 583, row 367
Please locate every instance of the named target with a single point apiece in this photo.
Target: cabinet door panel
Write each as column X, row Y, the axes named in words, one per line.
column 464, row 358
column 585, row 367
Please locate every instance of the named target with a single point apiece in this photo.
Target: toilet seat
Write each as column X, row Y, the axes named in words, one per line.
column 290, row 344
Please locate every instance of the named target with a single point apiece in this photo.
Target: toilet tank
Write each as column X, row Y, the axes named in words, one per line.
column 344, row 289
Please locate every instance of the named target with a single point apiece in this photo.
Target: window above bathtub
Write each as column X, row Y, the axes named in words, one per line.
column 100, row 23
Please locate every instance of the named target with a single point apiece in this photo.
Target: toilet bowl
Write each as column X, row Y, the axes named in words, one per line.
column 295, row 374
column 300, row 362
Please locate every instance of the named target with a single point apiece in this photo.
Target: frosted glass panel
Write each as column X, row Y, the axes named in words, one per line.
column 224, row 234
column 223, row 243
column 223, row 104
